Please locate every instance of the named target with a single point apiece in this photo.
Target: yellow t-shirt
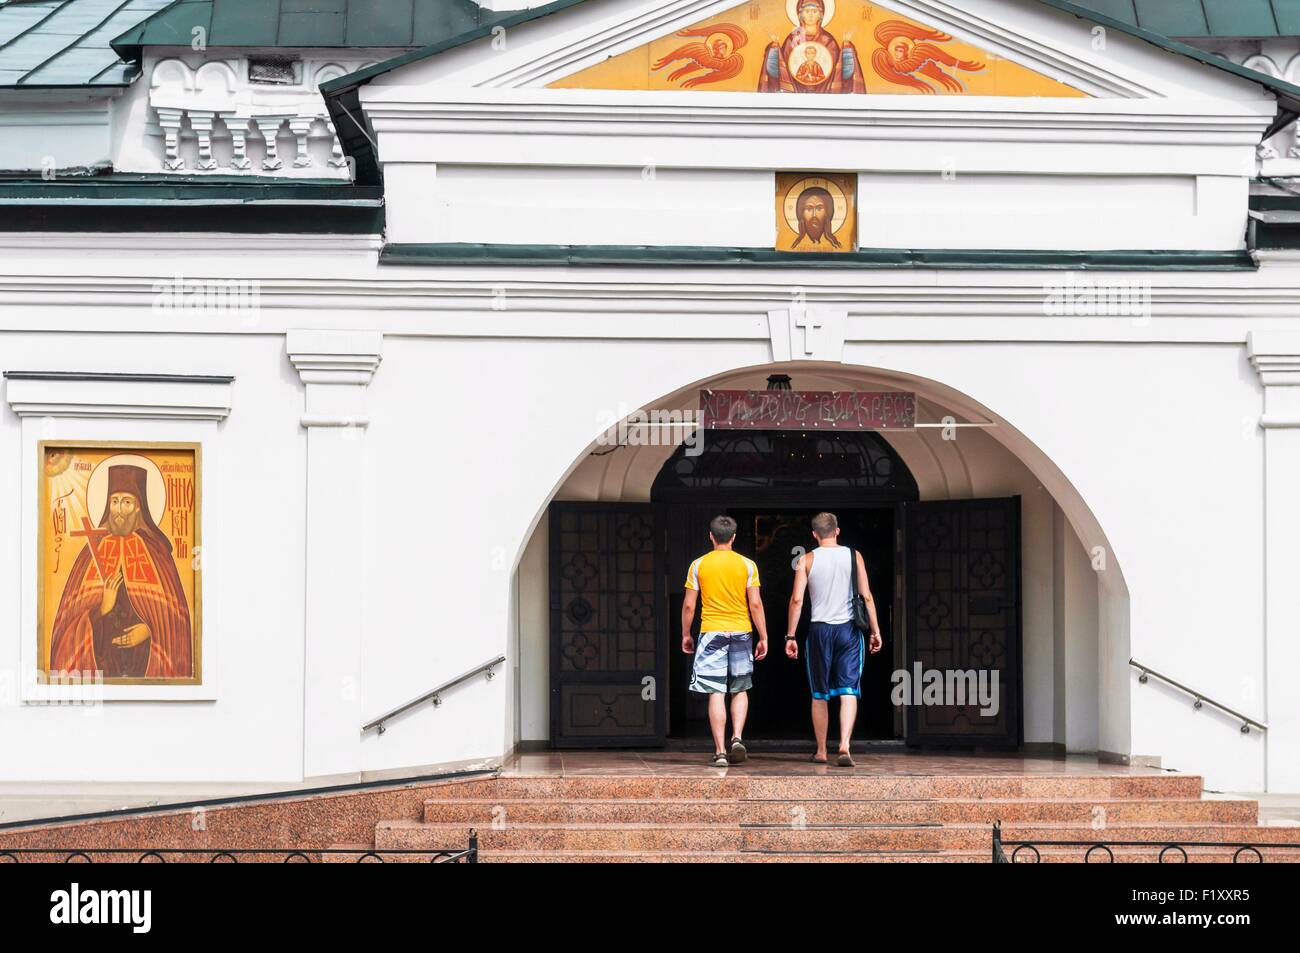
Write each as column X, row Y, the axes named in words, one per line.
column 722, row 577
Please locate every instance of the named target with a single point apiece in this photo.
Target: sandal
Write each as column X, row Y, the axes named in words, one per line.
column 844, row 760
column 720, row 760
column 737, row 754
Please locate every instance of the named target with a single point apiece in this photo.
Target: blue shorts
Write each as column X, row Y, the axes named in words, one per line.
column 834, row 658
column 724, row 662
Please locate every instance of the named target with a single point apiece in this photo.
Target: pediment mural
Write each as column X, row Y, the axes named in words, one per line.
column 815, row 46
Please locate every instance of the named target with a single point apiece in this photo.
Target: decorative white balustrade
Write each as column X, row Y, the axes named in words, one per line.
column 216, row 104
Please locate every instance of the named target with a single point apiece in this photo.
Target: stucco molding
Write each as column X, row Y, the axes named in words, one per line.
column 147, row 396
column 1275, row 355
column 336, row 367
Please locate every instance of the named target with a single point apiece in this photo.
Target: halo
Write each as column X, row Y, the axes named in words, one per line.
column 816, row 182
column 155, row 486
column 792, row 11
column 712, row 37
column 798, row 56
column 896, row 40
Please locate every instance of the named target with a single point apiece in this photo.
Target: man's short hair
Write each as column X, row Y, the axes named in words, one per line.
column 824, row 525
column 723, row 528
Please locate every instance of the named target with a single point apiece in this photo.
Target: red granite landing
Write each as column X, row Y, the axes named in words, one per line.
column 674, row 807
column 894, row 806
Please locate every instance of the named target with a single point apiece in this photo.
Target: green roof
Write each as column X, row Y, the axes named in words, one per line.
column 68, row 42
column 126, row 202
column 392, row 24
column 1204, row 18
column 1288, row 94
column 680, row 256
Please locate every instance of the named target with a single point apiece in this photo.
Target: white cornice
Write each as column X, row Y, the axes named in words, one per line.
column 623, row 289
column 60, row 293
column 119, row 395
column 1276, row 356
column 752, row 131
column 334, row 356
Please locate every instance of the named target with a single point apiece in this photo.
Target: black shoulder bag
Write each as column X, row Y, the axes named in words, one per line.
column 860, row 617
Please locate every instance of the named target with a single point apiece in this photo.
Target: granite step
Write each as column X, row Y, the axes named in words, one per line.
column 483, row 812
column 847, row 786
column 785, row 838
column 722, row 857
column 1123, row 855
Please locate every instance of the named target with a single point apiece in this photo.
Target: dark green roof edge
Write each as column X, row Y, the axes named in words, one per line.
column 1261, row 202
column 1275, row 221
column 344, row 103
column 504, row 20
column 127, row 188
column 1289, row 92
column 126, row 45
column 712, row 257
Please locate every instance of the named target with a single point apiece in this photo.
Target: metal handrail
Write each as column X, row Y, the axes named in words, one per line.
column 1200, row 697
column 1169, row 848
column 217, row 855
column 435, row 695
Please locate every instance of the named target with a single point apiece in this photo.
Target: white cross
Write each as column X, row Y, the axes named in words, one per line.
column 809, row 323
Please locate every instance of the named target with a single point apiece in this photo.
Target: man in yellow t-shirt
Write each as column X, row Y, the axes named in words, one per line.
column 727, row 583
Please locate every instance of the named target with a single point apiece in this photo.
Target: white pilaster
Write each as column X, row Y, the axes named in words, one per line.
column 336, row 367
column 1276, row 356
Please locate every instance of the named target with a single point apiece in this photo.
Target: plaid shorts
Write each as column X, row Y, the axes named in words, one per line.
column 724, row 662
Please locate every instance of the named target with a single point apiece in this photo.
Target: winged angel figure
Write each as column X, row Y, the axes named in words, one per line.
column 907, row 50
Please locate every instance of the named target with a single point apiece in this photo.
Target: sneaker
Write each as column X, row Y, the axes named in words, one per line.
column 737, row 754
column 719, row 760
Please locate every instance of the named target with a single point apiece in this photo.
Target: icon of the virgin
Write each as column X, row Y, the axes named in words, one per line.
column 811, row 60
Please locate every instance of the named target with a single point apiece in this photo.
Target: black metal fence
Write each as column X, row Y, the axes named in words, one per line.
column 234, row 855
column 1102, row 851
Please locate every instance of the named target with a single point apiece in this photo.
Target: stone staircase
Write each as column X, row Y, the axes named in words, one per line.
column 903, row 809
column 737, row 818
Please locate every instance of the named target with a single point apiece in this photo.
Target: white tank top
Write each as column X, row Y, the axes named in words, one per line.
column 830, row 584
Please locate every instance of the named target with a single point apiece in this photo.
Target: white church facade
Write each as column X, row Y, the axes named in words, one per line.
column 414, row 344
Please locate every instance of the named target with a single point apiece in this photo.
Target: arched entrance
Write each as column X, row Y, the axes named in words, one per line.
column 946, row 571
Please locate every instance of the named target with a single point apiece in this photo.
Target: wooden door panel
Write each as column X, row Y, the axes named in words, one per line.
column 607, row 653
column 964, row 614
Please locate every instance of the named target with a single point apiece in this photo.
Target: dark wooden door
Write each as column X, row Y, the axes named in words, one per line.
column 608, row 684
column 964, row 614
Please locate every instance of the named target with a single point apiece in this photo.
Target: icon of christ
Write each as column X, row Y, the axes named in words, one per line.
column 811, row 60
column 123, row 611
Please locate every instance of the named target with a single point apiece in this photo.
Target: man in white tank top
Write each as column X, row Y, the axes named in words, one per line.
column 834, row 653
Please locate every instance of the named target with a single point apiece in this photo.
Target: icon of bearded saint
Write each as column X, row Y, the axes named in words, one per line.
column 811, row 60
column 123, row 611
column 905, row 50
column 815, row 213
column 719, row 54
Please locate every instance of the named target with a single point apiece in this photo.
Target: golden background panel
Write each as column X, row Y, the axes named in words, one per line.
column 890, row 54
column 157, row 563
